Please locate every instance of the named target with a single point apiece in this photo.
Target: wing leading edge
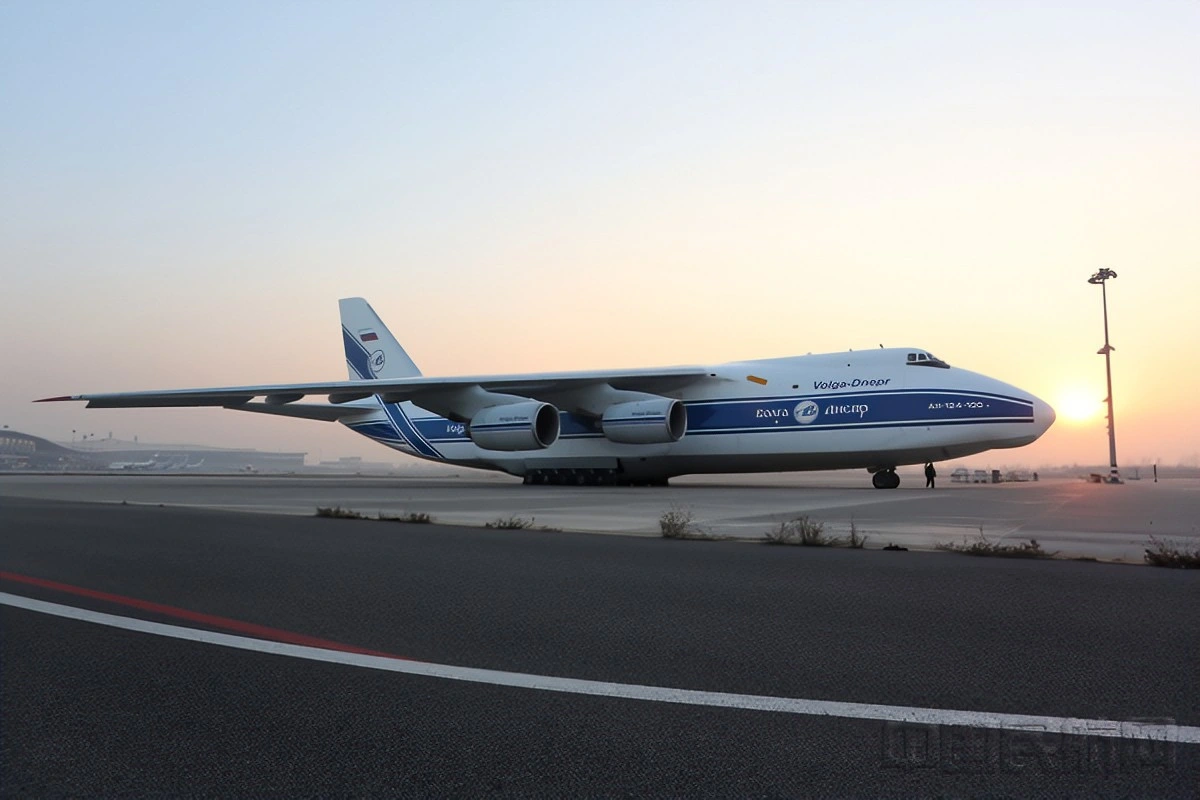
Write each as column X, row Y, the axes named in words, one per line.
column 454, row 398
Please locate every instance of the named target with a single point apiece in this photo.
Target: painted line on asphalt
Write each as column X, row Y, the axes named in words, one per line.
column 211, row 620
column 822, row 708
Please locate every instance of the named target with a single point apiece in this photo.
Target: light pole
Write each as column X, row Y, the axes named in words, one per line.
column 1114, row 475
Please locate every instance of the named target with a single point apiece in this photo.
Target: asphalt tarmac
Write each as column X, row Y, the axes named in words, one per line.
column 927, row 649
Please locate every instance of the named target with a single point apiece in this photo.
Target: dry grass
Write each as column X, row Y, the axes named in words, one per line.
column 806, row 532
column 337, row 512
column 983, row 546
column 510, row 523
column 1170, row 553
column 678, row 523
column 803, row 531
column 413, row 517
column 856, row 539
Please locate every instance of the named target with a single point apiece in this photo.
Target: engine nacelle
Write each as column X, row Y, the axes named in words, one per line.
column 517, row 426
column 645, row 421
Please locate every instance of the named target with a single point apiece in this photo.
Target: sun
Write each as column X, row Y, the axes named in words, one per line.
column 1078, row 405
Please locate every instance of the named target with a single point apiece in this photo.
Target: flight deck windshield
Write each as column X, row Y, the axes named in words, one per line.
column 920, row 359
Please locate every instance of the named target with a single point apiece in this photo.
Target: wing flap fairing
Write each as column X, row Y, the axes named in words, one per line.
column 315, row 411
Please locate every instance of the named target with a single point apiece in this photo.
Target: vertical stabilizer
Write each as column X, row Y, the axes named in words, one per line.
column 371, row 350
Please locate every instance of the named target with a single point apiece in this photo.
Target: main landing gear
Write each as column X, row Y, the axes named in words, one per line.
column 586, row 477
column 885, row 478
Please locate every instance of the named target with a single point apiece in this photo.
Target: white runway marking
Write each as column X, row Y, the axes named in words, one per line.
column 1183, row 734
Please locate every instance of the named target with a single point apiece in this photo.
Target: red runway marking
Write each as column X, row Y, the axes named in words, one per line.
column 249, row 628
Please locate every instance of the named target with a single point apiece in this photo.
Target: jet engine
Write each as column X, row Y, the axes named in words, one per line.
column 517, row 426
column 656, row 421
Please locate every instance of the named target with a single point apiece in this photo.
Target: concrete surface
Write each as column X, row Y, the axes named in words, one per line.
column 1069, row 516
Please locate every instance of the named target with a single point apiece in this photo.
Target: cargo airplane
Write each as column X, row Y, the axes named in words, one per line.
column 871, row 409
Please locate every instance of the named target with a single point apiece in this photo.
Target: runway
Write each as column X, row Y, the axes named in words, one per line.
column 165, row 705
column 1071, row 517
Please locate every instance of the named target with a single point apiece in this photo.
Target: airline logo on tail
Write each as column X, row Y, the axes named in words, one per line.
column 377, row 360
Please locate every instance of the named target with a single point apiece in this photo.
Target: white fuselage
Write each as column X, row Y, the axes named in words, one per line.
column 874, row 409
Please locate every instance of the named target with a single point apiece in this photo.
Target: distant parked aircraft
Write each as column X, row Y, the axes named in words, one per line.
column 148, row 464
column 872, row 409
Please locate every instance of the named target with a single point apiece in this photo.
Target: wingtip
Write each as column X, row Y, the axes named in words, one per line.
column 55, row 399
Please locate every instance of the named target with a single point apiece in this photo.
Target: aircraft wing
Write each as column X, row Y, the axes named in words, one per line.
column 455, row 398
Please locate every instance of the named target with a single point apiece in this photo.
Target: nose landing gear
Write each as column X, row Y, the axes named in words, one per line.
column 885, row 478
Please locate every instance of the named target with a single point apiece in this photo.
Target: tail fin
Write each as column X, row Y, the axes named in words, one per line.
column 371, row 350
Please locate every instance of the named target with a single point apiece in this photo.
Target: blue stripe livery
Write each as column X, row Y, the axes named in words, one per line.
column 356, row 355
column 708, row 417
column 868, row 409
column 401, row 427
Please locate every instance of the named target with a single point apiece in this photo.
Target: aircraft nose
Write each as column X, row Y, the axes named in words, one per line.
column 1043, row 415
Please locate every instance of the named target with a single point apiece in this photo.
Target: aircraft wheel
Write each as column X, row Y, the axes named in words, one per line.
column 885, row 479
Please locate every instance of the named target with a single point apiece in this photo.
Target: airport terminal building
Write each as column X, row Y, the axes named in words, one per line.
column 23, row 451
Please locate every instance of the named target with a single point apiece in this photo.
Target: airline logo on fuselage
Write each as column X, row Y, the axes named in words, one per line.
column 806, row 412
column 854, row 383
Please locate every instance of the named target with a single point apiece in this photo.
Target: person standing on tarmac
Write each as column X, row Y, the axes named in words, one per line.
column 930, row 474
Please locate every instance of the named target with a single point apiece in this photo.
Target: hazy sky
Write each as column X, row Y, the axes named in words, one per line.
column 187, row 188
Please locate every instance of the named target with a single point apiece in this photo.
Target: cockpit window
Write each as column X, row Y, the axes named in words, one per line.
column 919, row 359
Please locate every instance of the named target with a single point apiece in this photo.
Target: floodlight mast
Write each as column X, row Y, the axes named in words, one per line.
column 1114, row 475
